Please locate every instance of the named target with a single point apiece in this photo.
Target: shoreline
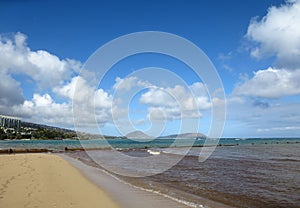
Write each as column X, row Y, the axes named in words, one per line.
column 47, row 180
column 136, row 196
column 228, row 168
column 57, row 180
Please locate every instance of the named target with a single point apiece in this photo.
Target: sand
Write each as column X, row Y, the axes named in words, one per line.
column 122, row 193
column 46, row 180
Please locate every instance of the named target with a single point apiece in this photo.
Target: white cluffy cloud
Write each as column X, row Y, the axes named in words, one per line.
column 43, row 109
column 271, row 83
column 176, row 102
column 128, row 83
column 162, row 102
column 56, row 90
column 88, row 102
column 81, row 92
column 278, row 34
column 10, row 90
column 139, row 102
column 46, row 69
column 93, row 103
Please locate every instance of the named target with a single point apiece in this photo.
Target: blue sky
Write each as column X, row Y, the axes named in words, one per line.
column 254, row 46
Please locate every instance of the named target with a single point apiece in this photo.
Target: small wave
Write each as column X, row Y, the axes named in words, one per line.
column 240, row 139
column 285, row 159
column 182, row 151
column 184, row 202
column 151, row 152
column 174, row 153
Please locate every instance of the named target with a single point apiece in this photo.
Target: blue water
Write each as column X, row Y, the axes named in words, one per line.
column 58, row 145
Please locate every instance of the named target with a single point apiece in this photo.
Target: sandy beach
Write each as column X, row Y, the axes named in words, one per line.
column 58, row 181
column 46, row 180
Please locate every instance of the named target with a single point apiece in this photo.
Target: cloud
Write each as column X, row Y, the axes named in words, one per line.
column 10, row 90
column 200, row 93
column 245, row 119
column 157, row 103
column 158, row 97
column 285, row 128
column 43, row 109
column 62, row 90
column 46, row 69
column 160, row 102
column 261, row 104
column 271, row 83
column 80, row 91
column 275, row 35
column 176, row 102
column 128, row 83
column 278, row 34
column 225, row 61
column 92, row 102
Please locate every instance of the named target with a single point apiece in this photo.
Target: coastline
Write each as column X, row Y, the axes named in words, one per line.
column 46, row 180
column 135, row 196
column 215, row 183
column 121, row 192
column 57, row 180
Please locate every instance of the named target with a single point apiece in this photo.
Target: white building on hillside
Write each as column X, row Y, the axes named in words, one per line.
column 10, row 122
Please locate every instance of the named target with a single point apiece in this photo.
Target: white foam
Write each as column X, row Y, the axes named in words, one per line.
column 153, row 152
column 187, row 203
column 180, row 201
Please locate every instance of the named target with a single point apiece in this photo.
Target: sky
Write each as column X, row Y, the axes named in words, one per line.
column 47, row 47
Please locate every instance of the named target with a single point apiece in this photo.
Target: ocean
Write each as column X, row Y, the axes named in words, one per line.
column 240, row 172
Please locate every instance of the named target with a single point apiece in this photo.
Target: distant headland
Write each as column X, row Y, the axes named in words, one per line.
column 143, row 135
column 14, row 128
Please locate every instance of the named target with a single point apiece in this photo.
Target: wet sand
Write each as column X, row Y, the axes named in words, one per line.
column 130, row 196
column 46, row 180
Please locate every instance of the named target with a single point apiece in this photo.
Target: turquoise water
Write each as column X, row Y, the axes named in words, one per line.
column 130, row 144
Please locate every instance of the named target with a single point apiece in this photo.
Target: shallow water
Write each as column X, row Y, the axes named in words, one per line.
column 242, row 176
column 263, row 175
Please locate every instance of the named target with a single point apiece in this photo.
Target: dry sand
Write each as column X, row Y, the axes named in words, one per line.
column 45, row 180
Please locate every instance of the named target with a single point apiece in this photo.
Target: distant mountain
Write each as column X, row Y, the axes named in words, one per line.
column 142, row 135
column 186, row 135
column 137, row 135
